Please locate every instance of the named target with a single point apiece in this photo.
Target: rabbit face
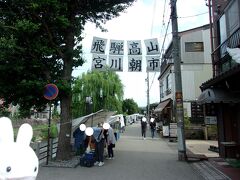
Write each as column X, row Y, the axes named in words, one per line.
column 17, row 159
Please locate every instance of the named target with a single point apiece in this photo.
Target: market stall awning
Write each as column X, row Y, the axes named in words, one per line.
column 214, row 95
column 162, row 105
column 92, row 119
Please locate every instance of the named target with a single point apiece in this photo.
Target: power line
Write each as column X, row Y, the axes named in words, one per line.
column 194, row 15
column 162, row 49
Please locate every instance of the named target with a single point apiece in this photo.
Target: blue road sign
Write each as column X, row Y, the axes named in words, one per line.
column 50, row 91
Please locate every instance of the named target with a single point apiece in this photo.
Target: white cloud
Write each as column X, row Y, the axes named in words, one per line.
column 144, row 21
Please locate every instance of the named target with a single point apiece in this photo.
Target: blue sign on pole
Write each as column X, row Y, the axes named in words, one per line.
column 50, row 91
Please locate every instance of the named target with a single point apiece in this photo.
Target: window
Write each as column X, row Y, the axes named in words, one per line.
column 223, row 29
column 168, row 84
column 233, row 17
column 194, row 46
column 161, row 90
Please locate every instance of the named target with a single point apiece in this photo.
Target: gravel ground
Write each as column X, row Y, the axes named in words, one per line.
column 72, row 163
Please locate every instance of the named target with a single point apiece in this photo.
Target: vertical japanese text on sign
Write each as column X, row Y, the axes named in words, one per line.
column 152, row 47
column 153, row 63
column 134, row 47
column 134, row 63
column 116, row 47
column 116, row 63
column 98, row 45
column 99, row 62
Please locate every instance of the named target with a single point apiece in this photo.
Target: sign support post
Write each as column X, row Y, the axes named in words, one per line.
column 50, row 93
column 49, row 126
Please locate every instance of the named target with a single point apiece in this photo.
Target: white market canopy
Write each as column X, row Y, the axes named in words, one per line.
column 92, row 119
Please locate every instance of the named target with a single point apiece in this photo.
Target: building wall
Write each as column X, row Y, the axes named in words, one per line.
column 196, row 67
column 191, row 57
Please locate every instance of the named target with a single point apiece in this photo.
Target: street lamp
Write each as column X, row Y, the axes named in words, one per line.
column 89, row 104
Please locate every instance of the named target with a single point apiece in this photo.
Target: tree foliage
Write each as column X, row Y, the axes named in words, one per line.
column 40, row 43
column 130, row 107
column 105, row 88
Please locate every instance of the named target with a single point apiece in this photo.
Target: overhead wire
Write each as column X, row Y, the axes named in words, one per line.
column 163, row 25
column 166, row 32
column 194, row 15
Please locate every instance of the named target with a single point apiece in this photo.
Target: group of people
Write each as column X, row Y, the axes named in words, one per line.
column 152, row 125
column 102, row 140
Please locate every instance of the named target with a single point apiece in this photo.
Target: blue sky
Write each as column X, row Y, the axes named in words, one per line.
column 144, row 20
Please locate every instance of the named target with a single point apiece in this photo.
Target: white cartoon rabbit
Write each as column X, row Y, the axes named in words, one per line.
column 18, row 161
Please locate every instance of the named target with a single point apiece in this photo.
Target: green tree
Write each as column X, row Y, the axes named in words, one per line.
column 105, row 88
column 40, row 43
column 130, row 106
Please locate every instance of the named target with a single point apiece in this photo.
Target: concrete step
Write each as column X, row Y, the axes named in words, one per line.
column 208, row 171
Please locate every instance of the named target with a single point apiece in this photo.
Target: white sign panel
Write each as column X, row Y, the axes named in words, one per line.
column 134, row 47
column 99, row 62
column 210, row 119
column 165, row 131
column 134, row 63
column 173, row 130
column 116, row 63
column 98, row 45
column 152, row 47
column 116, row 47
column 153, row 63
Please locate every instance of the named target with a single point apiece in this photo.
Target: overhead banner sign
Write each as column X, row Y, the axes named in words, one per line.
column 99, row 45
column 116, row 47
column 116, row 52
column 152, row 47
column 134, row 47
column 153, row 63
column 99, row 61
column 134, row 63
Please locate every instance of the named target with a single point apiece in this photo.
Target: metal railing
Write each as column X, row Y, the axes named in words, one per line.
column 221, row 60
column 165, row 63
column 40, row 149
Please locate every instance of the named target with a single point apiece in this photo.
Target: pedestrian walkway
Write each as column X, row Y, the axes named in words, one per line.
column 215, row 167
column 135, row 159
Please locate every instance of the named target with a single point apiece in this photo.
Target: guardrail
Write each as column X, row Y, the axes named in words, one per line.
column 40, row 149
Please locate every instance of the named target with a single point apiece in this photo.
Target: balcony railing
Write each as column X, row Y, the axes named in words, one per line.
column 168, row 91
column 222, row 62
column 165, row 63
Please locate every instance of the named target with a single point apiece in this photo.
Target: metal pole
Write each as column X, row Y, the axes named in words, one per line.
column 148, row 103
column 211, row 33
column 49, row 125
column 178, row 84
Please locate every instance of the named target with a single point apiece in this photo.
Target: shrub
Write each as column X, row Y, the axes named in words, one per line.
column 53, row 131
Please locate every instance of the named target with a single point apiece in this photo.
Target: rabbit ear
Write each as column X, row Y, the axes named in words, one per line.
column 25, row 134
column 6, row 130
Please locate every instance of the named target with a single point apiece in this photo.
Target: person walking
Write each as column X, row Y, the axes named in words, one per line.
column 111, row 141
column 144, row 127
column 152, row 127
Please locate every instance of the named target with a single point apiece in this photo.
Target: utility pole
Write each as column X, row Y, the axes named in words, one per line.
column 148, row 104
column 148, row 101
column 209, row 4
column 179, row 115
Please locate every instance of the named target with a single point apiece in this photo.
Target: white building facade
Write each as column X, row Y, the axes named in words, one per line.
column 196, row 67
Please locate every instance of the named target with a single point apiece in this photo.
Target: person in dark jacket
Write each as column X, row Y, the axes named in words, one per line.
column 152, row 126
column 144, row 127
column 79, row 139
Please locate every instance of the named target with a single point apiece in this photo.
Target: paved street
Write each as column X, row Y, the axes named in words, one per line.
column 135, row 159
